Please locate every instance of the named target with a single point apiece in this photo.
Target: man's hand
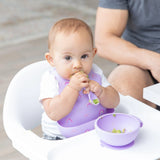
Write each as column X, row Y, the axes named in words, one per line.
column 155, row 67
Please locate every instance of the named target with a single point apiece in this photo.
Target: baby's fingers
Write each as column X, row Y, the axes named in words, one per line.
column 86, row 90
column 84, row 79
column 84, row 85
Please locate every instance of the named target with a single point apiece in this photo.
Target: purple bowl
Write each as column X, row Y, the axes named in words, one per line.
column 128, row 124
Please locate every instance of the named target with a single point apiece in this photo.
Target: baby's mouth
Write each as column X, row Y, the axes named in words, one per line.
column 76, row 72
column 72, row 74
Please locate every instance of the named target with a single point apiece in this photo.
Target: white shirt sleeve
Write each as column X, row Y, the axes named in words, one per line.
column 49, row 89
column 97, row 70
column 49, row 85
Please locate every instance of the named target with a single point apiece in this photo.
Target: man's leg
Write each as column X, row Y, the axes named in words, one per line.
column 130, row 80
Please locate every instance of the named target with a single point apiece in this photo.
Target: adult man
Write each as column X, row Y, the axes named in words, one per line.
column 128, row 33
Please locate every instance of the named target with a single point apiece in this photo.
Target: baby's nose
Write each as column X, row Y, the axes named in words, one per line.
column 77, row 64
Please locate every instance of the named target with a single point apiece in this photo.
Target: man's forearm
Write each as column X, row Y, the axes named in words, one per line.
column 121, row 51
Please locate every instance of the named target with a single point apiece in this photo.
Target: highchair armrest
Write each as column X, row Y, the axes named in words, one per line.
column 32, row 146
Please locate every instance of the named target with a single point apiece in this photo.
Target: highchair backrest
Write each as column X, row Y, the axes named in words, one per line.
column 21, row 106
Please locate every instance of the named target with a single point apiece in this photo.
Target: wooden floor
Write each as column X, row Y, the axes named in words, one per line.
column 12, row 59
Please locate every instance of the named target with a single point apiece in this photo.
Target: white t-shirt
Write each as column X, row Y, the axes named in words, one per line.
column 49, row 88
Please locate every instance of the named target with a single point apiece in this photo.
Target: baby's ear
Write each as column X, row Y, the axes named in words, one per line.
column 49, row 58
column 94, row 51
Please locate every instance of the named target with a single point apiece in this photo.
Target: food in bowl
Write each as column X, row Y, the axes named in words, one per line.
column 107, row 127
column 118, row 131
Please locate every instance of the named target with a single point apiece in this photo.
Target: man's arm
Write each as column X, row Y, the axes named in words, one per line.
column 110, row 24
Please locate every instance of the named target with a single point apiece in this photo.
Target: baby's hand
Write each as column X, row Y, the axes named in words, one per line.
column 95, row 87
column 79, row 80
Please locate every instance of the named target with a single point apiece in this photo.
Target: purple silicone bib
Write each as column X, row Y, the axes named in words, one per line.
column 81, row 118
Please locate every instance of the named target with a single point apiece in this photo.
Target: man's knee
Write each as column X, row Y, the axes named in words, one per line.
column 129, row 80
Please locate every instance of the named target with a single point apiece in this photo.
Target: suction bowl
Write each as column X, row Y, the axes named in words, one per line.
column 117, row 129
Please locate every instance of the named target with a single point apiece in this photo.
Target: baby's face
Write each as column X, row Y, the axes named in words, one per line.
column 73, row 53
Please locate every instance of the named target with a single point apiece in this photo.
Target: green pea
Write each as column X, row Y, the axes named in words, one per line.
column 123, row 131
column 118, row 131
column 114, row 131
column 95, row 101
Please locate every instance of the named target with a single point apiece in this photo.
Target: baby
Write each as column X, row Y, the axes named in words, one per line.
column 72, row 75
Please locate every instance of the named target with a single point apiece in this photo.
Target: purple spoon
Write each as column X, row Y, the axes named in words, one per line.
column 93, row 99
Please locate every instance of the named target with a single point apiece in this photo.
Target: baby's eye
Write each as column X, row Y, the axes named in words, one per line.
column 84, row 56
column 68, row 58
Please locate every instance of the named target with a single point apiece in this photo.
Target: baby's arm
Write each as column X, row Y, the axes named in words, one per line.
column 108, row 96
column 61, row 105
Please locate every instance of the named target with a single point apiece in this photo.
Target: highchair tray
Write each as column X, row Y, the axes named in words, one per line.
column 88, row 146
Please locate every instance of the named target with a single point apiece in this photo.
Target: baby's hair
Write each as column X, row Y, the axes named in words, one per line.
column 67, row 25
